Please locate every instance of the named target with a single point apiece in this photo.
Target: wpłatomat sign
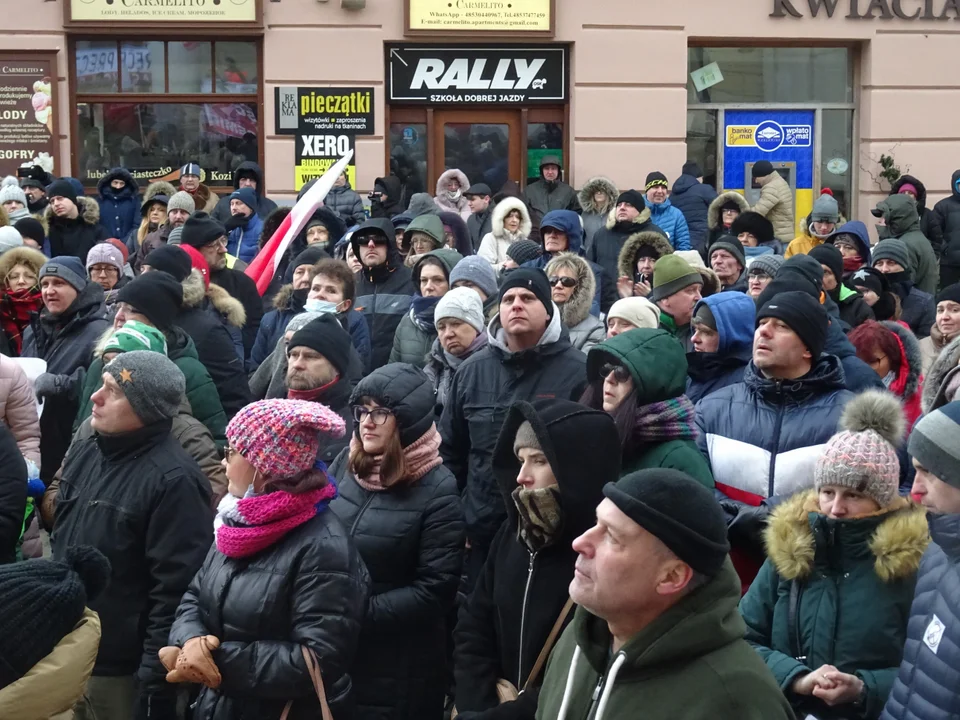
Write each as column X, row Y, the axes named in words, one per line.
column 769, row 136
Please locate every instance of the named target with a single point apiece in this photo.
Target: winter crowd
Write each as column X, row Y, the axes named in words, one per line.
column 533, row 454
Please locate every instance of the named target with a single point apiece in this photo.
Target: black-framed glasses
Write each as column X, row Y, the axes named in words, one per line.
column 567, row 282
column 377, row 238
column 378, row 415
column 620, row 373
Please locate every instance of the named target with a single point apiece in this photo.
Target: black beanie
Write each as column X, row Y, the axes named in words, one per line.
column 949, row 293
column 761, row 169
column 691, row 167
column 200, row 230
column 678, row 511
column 804, row 315
column 633, row 197
column 655, row 178
column 156, row 295
column 870, row 279
column 30, row 227
column 327, row 337
column 732, row 246
column 171, row 260
column 43, row 600
column 804, row 267
column 830, row 256
column 530, row 279
column 779, row 285
column 62, row 188
column 522, row 251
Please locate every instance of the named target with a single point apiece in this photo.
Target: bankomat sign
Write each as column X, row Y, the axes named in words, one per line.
column 941, row 10
column 769, row 136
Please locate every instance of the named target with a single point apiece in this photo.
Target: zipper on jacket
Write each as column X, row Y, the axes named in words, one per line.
column 523, row 618
column 776, row 439
column 363, row 508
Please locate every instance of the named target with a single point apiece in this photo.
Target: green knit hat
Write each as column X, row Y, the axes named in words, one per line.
column 136, row 336
column 671, row 274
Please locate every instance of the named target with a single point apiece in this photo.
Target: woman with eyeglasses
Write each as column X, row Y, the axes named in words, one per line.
column 640, row 377
column 20, row 296
column 402, row 509
column 572, row 287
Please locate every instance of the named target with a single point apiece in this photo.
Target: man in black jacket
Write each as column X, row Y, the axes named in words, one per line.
column 629, row 217
column 248, row 174
column 946, row 216
column 550, row 192
column 134, row 494
column 74, row 222
column 478, row 224
column 384, row 285
column 528, row 357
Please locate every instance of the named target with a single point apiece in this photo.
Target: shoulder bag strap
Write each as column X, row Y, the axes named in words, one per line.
column 548, row 645
column 313, row 667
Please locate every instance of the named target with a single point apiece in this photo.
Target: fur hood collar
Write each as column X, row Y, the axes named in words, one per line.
column 33, row 259
column 911, row 357
column 593, row 185
column 441, row 195
column 281, row 300
column 160, row 187
column 640, row 219
column 946, row 362
column 713, row 212
column 898, row 540
column 577, row 308
column 89, row 212
column 194, row 295
column 627, row 262
column 501, row 210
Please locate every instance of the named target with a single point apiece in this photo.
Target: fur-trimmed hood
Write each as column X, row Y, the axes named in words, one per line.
column 711, row 283
column 946, row 363
column 33, row 259
column 911, row 357
column 194, row 294
column 575, row 310
column 713, row 212
column 281, row 300
column 500, row 212
column 88, row 207
column 441, row 195
column 627, row 262
column 129, row 189
column 160, row 187
column 897, row 543
column 591, row 186
column 640, row 219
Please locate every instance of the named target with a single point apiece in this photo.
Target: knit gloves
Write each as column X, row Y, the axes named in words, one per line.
column 193, row 663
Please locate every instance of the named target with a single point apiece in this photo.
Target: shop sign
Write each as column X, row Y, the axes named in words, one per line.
column 516, row 16
column 164, row 173
column 769, row 136
column 499, row 74
column 176, row 11
column 318, row 153
column 302, row 110
column 870, row 9
column 27, row 111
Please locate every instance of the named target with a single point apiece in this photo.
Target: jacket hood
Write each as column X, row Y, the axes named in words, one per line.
column 713, row 212
column 548, row 343
column 859, row 232
column 946, row 362
column 230, row 308
column 735, row 315
column 335, row 226
column 89, row 212
column 683, row 183
column 449, row 174
column 911, row 358
column 23, row 255
column 158, row 188
column 448, row 257
column 900, row 212
column 274, row 220
column 921, row 190
column 500, row 212
column 431, row 225
column 250, row 167
column 575, row 310
column 130, row 189
column 422, row 204
column 611, row 221
column 627, row 262
column 953, row 183
column 566, row 221
column 394, row 259
column 406, row 391
column 824, row 377
column 896, row 537
column 590, row 187
column 194, row 290
column 562, row 427
column 464, row 245
column 655, row 358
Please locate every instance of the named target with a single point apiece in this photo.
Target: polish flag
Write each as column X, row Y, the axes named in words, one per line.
column 264, row 266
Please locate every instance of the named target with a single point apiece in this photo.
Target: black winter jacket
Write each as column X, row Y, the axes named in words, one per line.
column 154, row 531
column 337, row 398
column 483, row 388
column 346, row 203
column 479, row 224
column 709, row 372
column 609, row 240
column 693, row 198
column 309, row 588
column 541, row 197
column 13, row 495
column 265, row 205
column 853, row 308
column 76, row 237
column 946, row 216
column 244, row 289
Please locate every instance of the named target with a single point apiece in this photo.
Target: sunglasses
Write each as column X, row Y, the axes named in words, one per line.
column 620, row 373
column 377, row 239
column 567, row 282
column 378, row 415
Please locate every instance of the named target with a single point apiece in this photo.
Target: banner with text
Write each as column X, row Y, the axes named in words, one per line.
column 318, row 153
column 309, row 110
column 27, row 111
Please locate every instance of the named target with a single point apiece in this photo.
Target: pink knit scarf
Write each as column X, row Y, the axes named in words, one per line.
column 245, row 526
column 420, row 457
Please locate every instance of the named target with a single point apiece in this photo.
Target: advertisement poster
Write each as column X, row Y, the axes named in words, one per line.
column 317, row 153
column 186, row 11
column 27, row 110
column 518, row 16
column 312, row 110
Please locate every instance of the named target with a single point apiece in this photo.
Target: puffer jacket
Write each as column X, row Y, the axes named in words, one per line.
column 243, row 241
column 715, row 215
column 346, row 203
column 308, row 589
column 460, row 206
column 927, row 686
column 119, row 209
column 627, row 263
column 494, row 245
column 586, row 330
column 18, row 408
column 776, row 205
column 854, row 581
column 609, row 240
column 237, row 285
column 75, row 237
column 594, row 216
column 441, row 366
column 734, row 315
column 928, row 221
column 484, row 386
column 265, row 205
column 504, row 623
column 917, row 308
column 946, row 217
column 411, row 539
column 671, row 221
column 903, row 223
column 693, row 198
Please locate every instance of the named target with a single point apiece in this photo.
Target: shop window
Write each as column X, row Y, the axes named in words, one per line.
column 702, row 142
column 543, row 138
column 836, row 156
column 480, row 150
column 408, row 156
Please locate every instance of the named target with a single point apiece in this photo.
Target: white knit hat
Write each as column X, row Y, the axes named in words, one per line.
column 9, row 239
column 11, row 190
column 463, row 304
column 638, row 311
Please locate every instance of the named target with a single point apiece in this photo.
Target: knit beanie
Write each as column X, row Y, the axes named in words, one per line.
column 9, row 238
column 951, row 293
column 830, row 256
column 638, row 311
column 893, row 249
column 106, row 254
column 175, row 236
column 767, row 264
column 654, row 179
column 478, row 271
column 10, row 190
column 280, row 438
column 327, row 337
column 802, row 314
column 150, row 381
column 908, row 187
column 671, row 274
column 31, row 228
column 134, row 336
column 825, row 209
column 62, row 188
column 200, row 230
column 870, row 279
column 933, row 442
column 119, row 245
column 156, row 295
column 463, row 304
column 311, row 256
column 67, row 268
column 191, row 168
column 632, row 197
column 677, row 510
column 761, row 169
column 531, row 279
column 782, row 285
column 43, row 600
column 863, row 455
column 803, row 267
column 526, row 438
column 732, row 245
column 523, row 251
column 247, row 196
column 169, row 259
column 692, row 168
column 182, row 200
column 297, row 322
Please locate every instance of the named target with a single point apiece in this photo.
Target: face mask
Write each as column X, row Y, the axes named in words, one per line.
column 454, row 195
column 320, row 306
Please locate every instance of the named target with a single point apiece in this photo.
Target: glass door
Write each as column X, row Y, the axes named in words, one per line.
column 484, row 144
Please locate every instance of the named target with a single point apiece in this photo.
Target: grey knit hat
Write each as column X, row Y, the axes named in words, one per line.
column 766, row 264
column 151, row 383
column 298, row 322
column 933, row 442
column 475, row 269
column 182, row 201
column 11, row 190
column 107, row 254
column 9, row 238
column 893, row 249
column 174, row 237
column 526, row 438
column 68, row 268
column 521, row 251
column 462, row 304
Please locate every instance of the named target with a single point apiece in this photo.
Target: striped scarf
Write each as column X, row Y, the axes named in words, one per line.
column 660, row 422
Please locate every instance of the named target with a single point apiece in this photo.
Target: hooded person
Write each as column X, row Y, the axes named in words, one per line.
column 20, row 295
column 909, row 185
column 723, row 327
column 510, row 223
column 424, row 234
column 572, row 288
column 853, row 242
column 386, row 200
column 776, row 199
column 422, row 203
column 451, row 186
column 894, row 354
column 693, row 198
column 323, row 230
column 456, row 235
column 941, row 383
column 827, row 612
column 899, row 214
column 205, row 199
column 597, row 198
column 119, row 201
column 854, row 310
column 946, row 218
column 662, row 213
column 549, row 192
column 755, row 234
column 550, row 491
column 727, row 207
column 819, row 225
column 917, row 308
column 461, row 332
column 73, row 221
column 942, row 332
column 636, row 262
column 246, row 174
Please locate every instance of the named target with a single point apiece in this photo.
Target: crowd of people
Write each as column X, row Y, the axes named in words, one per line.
column 534, row 454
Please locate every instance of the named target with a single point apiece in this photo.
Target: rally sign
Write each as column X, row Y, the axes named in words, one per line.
column 318, row 153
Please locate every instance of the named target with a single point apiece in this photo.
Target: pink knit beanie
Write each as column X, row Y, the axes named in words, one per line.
column 280, row 438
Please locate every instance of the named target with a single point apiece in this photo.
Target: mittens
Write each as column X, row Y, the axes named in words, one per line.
column 45, row 384
column 193, row 663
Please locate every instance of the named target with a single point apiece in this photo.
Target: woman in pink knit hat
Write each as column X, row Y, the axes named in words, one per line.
column 283, row 574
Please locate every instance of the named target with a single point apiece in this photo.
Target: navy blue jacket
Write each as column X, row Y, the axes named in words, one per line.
column 265, row 205
column 734, row 315
column 693, row 198
column 119, row 209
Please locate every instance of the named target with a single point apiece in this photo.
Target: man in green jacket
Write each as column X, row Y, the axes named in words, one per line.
column 657, row 633
column 676, row 291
